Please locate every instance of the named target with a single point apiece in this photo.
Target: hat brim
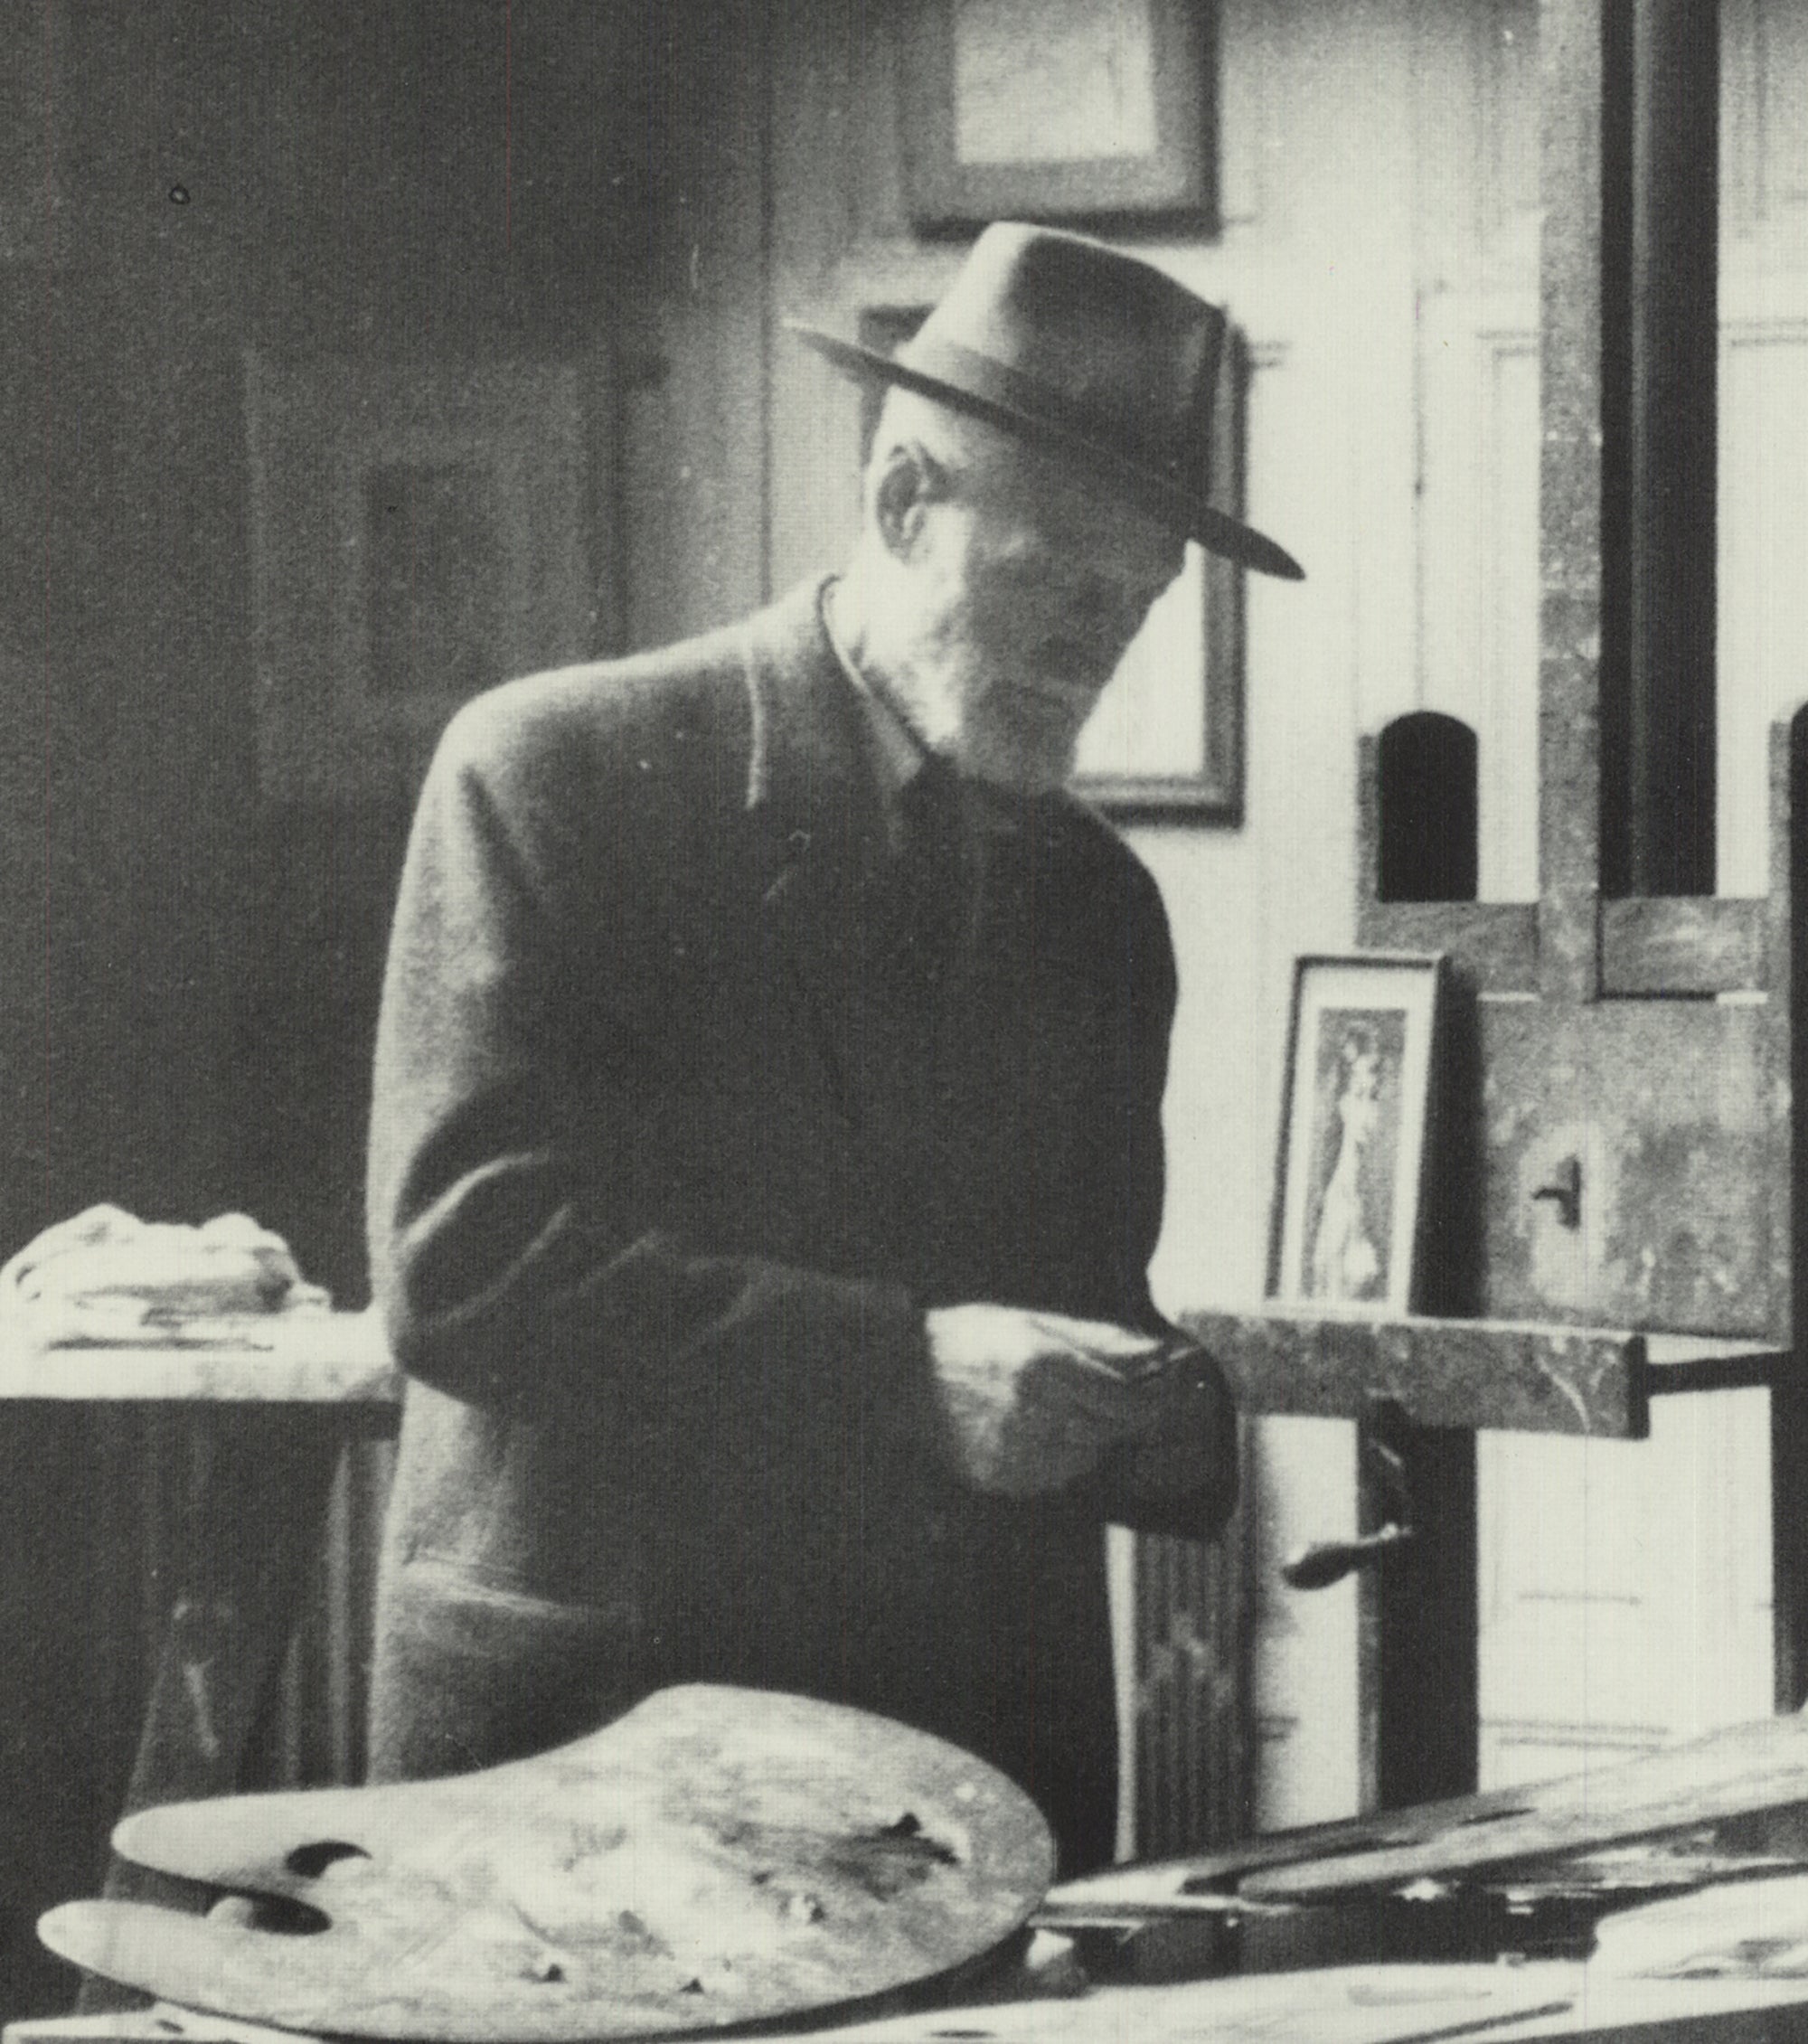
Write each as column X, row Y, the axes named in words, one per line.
column 1192, row 516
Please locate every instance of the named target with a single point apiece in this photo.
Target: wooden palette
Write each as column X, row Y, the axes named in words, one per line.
column 716, row 1856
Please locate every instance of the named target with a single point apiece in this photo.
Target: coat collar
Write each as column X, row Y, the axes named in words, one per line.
column 825, row 865
column 813, row 798
column 810, row 773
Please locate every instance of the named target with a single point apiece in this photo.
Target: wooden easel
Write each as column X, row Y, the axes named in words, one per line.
column 1619, row 1219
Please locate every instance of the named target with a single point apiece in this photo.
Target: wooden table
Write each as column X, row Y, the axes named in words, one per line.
column 275, row 1401
column 335, row 1360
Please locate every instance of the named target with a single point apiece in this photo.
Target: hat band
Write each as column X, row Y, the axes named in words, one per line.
column 1036, row 404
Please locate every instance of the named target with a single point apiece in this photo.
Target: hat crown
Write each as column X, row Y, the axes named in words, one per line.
column 1093, row 356
column 1101, row 341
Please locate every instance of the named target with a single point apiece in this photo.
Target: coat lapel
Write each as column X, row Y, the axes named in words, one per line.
column 819, row 817
column 833, row 925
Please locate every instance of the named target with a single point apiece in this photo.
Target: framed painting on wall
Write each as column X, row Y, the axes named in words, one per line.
column 1361, row 1050
column 417, row 535
column 1167, row 736
column 1048, row 110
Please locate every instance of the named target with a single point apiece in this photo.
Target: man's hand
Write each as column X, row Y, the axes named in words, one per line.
column 1033, row 1399
column 1189, row 1455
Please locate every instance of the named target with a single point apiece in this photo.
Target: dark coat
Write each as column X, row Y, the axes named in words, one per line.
column 674, row 1140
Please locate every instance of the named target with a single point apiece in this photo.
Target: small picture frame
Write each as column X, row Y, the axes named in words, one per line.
column 1056, row 109
column 1356, row 1131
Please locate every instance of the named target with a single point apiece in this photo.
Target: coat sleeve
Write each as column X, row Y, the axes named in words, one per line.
column 1185, row 1483
column 515, row 1256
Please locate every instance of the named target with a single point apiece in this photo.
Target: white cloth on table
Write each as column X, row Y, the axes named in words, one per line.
column 104, row 1275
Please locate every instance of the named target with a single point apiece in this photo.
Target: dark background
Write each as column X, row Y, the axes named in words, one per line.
column 188, row 962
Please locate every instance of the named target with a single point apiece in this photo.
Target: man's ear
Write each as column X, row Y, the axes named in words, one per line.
column 906, row 481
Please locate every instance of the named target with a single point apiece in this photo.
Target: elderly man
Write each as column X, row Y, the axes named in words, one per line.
column 767, row 1151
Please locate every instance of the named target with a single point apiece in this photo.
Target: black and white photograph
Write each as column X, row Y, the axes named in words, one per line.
column 899, row 974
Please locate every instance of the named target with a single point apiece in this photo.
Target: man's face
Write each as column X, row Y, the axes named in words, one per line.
column 1031, row 587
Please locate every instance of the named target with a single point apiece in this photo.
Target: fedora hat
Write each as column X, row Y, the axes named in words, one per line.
column 1085, row 352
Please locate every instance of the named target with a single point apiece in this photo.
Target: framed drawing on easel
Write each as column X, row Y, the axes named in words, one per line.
column 1355, row 1133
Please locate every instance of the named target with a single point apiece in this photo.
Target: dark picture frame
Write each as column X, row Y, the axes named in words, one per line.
column 1057, row 109
column 1167, row 738
column 417, row 535
column 1357, row 1131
